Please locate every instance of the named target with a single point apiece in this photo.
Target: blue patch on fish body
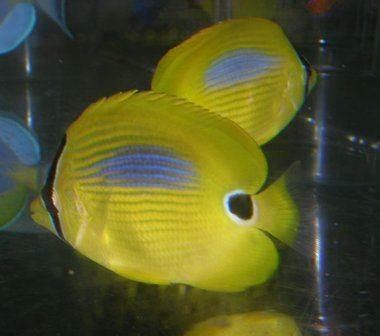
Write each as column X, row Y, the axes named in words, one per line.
column 237, row 66
column 144, row 166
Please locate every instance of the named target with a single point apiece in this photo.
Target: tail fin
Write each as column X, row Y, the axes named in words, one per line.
column 282, row 209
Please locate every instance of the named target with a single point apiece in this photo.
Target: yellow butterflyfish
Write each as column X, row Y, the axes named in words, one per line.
column 162, row 191
column 263, row 323
column 243, row 69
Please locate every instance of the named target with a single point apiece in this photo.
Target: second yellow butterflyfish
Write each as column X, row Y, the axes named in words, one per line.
column 260, row 323
column 243, row 69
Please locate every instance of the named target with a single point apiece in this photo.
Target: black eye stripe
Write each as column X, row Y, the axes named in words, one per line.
column 241, row 206
column 47, row 191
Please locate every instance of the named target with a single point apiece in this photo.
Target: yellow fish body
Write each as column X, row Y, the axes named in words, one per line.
column 162, row 191
column 243, row 69
column 247, row 324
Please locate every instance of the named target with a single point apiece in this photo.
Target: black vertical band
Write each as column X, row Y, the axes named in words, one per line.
column 48, row 189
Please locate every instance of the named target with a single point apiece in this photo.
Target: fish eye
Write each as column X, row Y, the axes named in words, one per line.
column 241, row 205
column 240, row 208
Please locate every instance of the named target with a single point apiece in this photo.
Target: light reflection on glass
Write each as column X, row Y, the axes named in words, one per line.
column 321, row 323
column 319, row 174
column 27, row 63
column 320, row 131
column 27, row 93
column 28, row 106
